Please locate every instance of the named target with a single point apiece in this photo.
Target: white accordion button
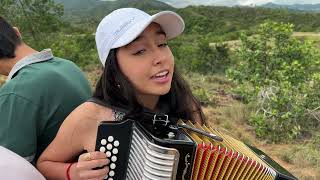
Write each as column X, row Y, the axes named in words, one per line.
column 102, row 149
column 109, row 146
column 114, row 158
column 103, row 141
column 110, row 138
column 112, row 166
column 115, row 151
column 111, row 173
column 116, row 143
column 108, row 153
column 110, row 179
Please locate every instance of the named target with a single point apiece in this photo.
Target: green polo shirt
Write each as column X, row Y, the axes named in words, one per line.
column 34, row 103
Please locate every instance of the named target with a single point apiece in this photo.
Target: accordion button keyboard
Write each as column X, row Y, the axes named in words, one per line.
column 116, row 143
column 102, row 149
column 109, row 136
column 103, row 142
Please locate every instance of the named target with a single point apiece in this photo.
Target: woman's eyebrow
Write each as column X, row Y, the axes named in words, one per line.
column 158, row 32
column 161, row 32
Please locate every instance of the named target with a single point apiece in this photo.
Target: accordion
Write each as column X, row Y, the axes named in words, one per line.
column 181, row 152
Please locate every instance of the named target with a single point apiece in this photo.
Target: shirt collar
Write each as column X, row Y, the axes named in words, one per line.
column 44, row 55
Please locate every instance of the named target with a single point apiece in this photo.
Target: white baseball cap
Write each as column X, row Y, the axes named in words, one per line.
column 122, row 26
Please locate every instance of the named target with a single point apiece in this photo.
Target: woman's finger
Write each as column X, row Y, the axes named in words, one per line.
column 88, row 165
column 93, row 174
column 92, row 155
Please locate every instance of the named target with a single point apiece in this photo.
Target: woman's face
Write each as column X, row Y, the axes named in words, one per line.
column 148, row 62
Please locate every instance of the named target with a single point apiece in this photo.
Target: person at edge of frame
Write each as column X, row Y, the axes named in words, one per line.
column 40, row 92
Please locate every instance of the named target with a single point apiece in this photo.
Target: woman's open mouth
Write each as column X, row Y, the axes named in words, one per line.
column 161, row 77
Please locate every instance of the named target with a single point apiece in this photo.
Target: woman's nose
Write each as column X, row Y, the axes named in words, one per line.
column 158, row 56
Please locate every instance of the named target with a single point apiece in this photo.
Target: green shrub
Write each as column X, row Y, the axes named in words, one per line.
column 280, row 74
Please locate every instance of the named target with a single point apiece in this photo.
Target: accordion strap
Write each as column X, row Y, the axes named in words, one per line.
column 158, row 120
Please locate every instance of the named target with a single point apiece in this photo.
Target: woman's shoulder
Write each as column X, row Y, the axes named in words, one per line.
column 90, row 111
column 86, row 117
column 83, row 121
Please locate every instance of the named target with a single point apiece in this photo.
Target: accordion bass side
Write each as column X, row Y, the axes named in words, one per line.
column 139, row 152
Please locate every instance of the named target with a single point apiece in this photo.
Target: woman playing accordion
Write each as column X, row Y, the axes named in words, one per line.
column 137, row 106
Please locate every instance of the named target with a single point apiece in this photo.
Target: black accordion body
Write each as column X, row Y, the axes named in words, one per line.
column 140, row 152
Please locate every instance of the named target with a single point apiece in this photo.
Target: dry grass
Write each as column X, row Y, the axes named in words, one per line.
column 307, row 34
column 93, row 74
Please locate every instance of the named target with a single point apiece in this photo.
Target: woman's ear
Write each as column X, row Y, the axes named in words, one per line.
column 17, row 32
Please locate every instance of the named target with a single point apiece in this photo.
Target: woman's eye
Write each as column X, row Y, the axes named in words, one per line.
column 139, row 52
column 163, row 45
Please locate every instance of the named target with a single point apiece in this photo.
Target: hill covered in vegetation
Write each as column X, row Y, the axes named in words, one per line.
column 77, row 10
column 213, row 21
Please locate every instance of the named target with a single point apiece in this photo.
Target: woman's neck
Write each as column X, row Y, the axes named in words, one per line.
column 148, row 101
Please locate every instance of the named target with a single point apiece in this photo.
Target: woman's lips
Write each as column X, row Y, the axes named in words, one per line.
column 161, row 77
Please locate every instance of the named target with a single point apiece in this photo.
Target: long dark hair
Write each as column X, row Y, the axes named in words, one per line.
column 115, row 89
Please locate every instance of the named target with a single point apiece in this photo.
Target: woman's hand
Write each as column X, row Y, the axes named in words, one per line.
column 84, row 168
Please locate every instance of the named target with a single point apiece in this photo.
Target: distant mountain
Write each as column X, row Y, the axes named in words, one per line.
column 299, row 7
column 85, row 4
column 96, row 9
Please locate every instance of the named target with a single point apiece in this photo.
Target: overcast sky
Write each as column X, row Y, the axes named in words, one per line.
column 258, row 2
column 183, row 3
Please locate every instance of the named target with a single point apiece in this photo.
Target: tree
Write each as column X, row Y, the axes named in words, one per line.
column 33, row 17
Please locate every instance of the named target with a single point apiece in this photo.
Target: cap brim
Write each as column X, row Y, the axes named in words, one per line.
column 171, row 23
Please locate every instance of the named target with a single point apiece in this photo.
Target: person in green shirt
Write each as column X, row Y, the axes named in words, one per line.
column 40, row 92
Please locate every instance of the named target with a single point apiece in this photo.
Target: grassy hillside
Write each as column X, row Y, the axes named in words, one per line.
column 228, row 22
column 219, row 22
